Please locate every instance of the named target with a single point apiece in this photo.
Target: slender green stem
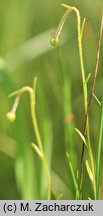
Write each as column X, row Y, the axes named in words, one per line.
column 86, row 126
column 80, row 32
column 99, row 154
column 80, row 35
column 54, row 41
column 36, row 130
column 93, row 170
column 81, row 61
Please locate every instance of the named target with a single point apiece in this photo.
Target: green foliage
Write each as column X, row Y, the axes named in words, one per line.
column 98, row 159
column 39, row 171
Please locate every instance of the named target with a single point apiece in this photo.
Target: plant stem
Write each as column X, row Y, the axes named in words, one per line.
column 80, row 34
column 86, row 102
column 36, row 130
column 88, row 109
column 98, row 155
column 81, row 58
column 31, row 92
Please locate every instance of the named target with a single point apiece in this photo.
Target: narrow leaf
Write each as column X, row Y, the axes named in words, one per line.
column 66, row 6
column 96, row 99
column 26, row 52
column 59, row 196
column 73, row 175
column 37, row 150
column 34, row 84
column 89, row 198
column 82, row 28
column 98, row 161
column 89, row 170
column 87, row 79
column 81, row 136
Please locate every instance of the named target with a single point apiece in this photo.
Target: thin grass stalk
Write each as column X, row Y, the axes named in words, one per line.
column 98, row 165
column 87, row 112
column 31, row 92
column 54, row 42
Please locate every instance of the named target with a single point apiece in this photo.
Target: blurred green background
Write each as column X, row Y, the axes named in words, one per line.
column 26, row 27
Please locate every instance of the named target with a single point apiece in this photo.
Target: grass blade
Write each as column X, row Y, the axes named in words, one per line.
column 37, row 150
column 99, row 154
column 89, row 170
column 31, row 49
column 81, row 136
column 73, row 176
column 96, row 99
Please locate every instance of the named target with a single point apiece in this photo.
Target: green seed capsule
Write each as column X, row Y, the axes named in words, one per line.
column 54, row 41
column 11, row 116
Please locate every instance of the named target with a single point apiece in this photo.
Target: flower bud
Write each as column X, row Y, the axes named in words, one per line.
column 11, row 116
column 54, row 41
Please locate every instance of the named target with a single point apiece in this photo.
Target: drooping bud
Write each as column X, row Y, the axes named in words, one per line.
column 54, row 41
column 11, row 116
